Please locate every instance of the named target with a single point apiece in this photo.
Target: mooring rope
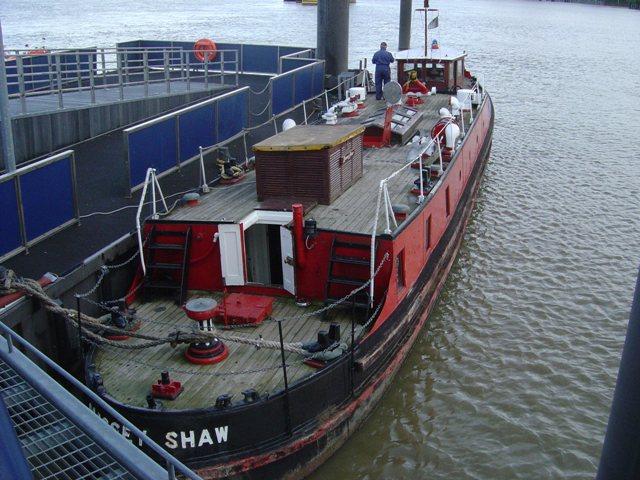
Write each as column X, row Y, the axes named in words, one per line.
column 11, row 283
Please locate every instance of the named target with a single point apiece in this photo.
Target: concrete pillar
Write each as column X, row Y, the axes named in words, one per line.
column 406, row 10
column 333, row 35
column 6, row 132
column 621, row 449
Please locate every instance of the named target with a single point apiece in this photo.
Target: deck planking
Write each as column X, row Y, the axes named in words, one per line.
column 129, row 374
column 353, row 211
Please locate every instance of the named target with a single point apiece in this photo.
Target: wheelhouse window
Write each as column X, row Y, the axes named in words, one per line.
column 400, row 272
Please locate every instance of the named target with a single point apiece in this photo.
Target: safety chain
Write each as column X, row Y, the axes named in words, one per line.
column 105, row 269
column 263, row 110
column 371, row 319
column 103, row 273
column 346, row 297
column 261, row 91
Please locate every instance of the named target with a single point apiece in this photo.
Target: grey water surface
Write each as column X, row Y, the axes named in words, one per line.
column 513, row 377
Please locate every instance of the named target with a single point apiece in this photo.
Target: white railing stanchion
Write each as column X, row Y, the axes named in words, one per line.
column 157, row 184
column 373, row 243
column 421, row 196
column 154, row 214
column 138, row 224
column 390, row 212
column 386, row 208
column 150, row 179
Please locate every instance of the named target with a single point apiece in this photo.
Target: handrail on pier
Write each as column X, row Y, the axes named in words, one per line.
column 172, row 464
column 55, row 72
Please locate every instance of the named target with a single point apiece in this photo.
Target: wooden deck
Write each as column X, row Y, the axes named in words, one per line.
column 128, row 374
column 354, row 210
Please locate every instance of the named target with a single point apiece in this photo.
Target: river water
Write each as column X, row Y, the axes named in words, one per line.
column 513, row 378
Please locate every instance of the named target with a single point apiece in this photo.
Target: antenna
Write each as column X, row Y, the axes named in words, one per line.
column 426, row 25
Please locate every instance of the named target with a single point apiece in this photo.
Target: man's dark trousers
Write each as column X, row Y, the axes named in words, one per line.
column 383, row 76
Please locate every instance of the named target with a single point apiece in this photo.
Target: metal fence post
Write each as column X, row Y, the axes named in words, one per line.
column 286, row 381
column 21, row 89
column 92, row 82
column 270, row 100
column 206, row 71
column 188, row 72
column 119, row 68
column 59, row 80
column 222, row 68
column 145, row 71
column 79, row 313
column 78, row 71
column 23, row 225
column 104, row 67
column 5, row 117
column 167, row 74
column 237, row 69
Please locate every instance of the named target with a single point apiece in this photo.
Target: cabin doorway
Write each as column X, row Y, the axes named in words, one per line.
column 263, row 251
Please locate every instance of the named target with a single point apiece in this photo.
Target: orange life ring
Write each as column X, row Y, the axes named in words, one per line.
column 205, row 46
column 38, row 51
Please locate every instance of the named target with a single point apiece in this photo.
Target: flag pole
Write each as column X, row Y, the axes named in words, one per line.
column 426, row 28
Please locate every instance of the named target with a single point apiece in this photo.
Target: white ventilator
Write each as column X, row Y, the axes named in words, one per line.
column 331, row 117
column 288, row 124
column 455, row 106
column 451, row 134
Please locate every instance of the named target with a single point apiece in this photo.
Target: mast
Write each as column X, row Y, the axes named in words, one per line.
column 426, row 28
column 426, row 25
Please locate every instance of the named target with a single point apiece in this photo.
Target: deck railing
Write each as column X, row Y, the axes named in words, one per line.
column 384, row 200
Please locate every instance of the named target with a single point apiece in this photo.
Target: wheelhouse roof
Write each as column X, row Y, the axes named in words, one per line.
column 441, row 54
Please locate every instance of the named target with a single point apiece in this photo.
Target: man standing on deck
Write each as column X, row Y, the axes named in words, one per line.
column 382, row 59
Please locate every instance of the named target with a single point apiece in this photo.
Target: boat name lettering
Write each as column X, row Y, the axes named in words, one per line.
column 121, row 429
column 191, row 439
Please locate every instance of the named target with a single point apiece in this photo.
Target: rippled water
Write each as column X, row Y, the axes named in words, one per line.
column 513, row 378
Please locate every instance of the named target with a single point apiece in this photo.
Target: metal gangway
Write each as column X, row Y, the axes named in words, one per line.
column 47, row 433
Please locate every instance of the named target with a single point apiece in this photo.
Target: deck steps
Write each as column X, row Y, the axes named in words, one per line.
column 348, row 269
column 167, row 262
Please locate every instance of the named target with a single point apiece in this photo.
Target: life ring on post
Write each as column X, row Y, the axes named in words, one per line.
column 437, row 132
column 205, row 47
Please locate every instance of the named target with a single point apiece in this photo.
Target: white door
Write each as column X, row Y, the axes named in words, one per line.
column 231, row 254
column 288, row 272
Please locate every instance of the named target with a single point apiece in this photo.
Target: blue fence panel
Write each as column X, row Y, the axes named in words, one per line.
column 10, row 237
column 47, row 197
column 197, row 128
column 34, row 69
column 281, row 97
column 289, row 64
column 260, row 58
column 232, row 115
column 11, row 70
column 152, row 147
column 289, row 50
column 303, row 84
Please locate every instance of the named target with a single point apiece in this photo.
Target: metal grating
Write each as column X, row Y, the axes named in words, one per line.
column 54, row 447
